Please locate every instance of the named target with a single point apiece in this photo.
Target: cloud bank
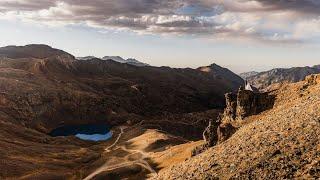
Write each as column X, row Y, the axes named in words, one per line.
column 286, row 21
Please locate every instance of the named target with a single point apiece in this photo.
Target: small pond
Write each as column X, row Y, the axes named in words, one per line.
column 89, row 132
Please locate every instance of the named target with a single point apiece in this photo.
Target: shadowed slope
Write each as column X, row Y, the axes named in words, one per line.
column 48, row 90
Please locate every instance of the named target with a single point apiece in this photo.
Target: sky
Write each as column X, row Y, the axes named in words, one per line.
column 243, row 35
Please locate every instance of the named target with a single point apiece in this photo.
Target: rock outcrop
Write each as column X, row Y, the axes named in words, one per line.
column 245, row 103
column 238, row 106
column 225, row 131
column 210, row 137
column 313, row 79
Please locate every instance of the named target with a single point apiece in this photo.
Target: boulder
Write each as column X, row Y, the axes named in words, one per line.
column 225, row 131
column 210, row 134
column 313, row 79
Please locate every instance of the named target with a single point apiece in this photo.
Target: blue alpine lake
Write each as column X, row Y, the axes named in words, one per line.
column 89, row 132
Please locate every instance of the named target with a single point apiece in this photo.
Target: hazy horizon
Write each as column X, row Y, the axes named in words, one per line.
column 240, row 35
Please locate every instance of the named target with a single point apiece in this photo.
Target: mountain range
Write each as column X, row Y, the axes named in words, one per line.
column 166, row 123
column 279, row 75
column 117, row 59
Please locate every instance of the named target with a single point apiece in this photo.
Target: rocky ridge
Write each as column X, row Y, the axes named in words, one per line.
column 263, row 80
column 280, row 143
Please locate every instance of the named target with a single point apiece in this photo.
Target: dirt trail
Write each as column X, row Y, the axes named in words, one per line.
column 122, row 128
column 140, row 161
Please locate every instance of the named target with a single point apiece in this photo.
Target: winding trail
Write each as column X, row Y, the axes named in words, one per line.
column 117, row 140
column 141, row 161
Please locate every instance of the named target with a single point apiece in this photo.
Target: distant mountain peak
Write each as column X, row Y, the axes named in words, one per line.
column 118, row 59
column 131, row 61
column 86, row 58
column 32, row 51
column 114, row 58
column 246, row 75
column 38, row 46
column 222, row 73
column 264, row 79
column 210, row 67
column 214, row 65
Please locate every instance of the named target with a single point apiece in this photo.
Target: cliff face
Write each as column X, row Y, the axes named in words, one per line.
column 238, row 106
column 246, row 103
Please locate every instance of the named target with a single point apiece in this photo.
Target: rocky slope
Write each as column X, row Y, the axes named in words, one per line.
column 281, row 75
column 280, row 143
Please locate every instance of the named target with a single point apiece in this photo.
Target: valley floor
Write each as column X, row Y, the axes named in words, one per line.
column 133, row 152
column 139, row 153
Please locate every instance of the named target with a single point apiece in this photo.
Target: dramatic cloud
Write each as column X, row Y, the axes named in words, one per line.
column 25, row 5
column 303, row 6
column 263, row 20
